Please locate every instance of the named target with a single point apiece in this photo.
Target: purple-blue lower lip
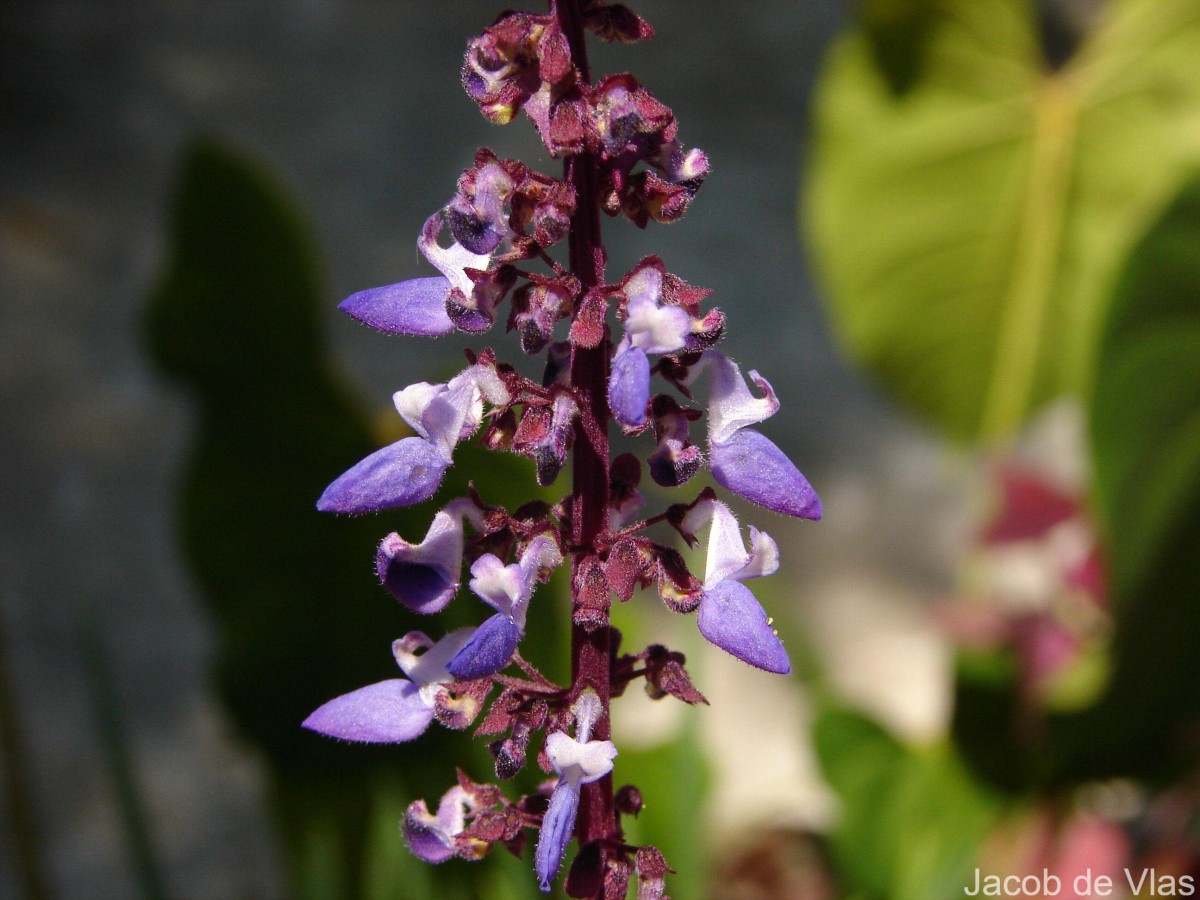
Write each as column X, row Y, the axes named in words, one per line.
column 421, row 588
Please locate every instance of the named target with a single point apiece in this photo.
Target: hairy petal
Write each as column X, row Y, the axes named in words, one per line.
column 400, row 474
column 389, row 712
column 751, row 465
column 425, row 661
column 629, row 386
column 764, row 556
column 488, row 651
column 416, row 307
column 732, row 619
column 424, row 577
column 726, row 551
column 431, row 837
column 541, row 553
column 423, row 838
column 452, row 261
column 583, row 762
column 731, row 406
column 498, row 585
column 656, row 329
column 557, row 826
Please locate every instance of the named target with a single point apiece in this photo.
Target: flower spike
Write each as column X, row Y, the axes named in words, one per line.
column 622, row 155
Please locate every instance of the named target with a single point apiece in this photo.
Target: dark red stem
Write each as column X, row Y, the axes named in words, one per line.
column 591, row 650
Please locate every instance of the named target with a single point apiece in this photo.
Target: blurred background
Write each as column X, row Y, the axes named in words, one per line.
column 961, row 239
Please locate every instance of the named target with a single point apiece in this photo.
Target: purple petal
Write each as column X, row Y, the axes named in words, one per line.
column 751, row 465
column 425, row 842
column 400, row 474
column 557, row 826
column 389, row 712
column 629, row 386
column 732, row 619
column 488, row 651
column 431, row 837
column 417, row 306
column 421, row 587
column 473, row 231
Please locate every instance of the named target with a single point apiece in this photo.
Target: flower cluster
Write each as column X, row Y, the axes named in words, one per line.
column 622, row 155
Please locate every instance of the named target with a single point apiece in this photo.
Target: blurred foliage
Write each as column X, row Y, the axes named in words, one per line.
column 237, row 318
column 969, row 207
column 1145, row 425
column 1145, row 435
column 912, row 818
column 996, row 231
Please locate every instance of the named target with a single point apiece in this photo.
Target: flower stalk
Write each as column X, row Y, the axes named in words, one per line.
column 591, row 642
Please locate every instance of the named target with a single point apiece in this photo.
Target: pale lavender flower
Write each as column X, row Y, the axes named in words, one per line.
column 507, row 589
column 410, row 470
column 425, row 576
column 729, row 616
column 577, row 761
column 418, row 306
column 743, row 460
column 431, row 837
column 399, row 709
column 650, row 327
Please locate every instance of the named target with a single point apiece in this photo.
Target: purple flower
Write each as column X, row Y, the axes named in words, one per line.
column 507, row 589
column 425, row 576
column 431, row 837
column 410, row 470
column 650, row 327
column 399, row 709
column 419, row 306
column 729, row 616
column 478, row 222
column 742, row 459
column 577, row 761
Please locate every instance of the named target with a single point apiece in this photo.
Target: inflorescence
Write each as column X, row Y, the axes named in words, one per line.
column 621, row 156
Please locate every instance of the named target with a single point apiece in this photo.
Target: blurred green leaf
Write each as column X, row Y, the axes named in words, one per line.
column 911, row 821
column 1145, row 432
column 969, row 230
column 1145, row 426
column 237, row 318
column 897, row 32
column 673, row 780
column 673, row 777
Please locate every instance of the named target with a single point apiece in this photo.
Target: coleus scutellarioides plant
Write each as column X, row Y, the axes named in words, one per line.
column 621, row 156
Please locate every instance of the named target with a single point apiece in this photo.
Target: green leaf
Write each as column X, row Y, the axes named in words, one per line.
column 897, row 31
column 1145, row 430
column 912, row 820
column 673, row 777
column 969, row 230
column 1145, row 434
